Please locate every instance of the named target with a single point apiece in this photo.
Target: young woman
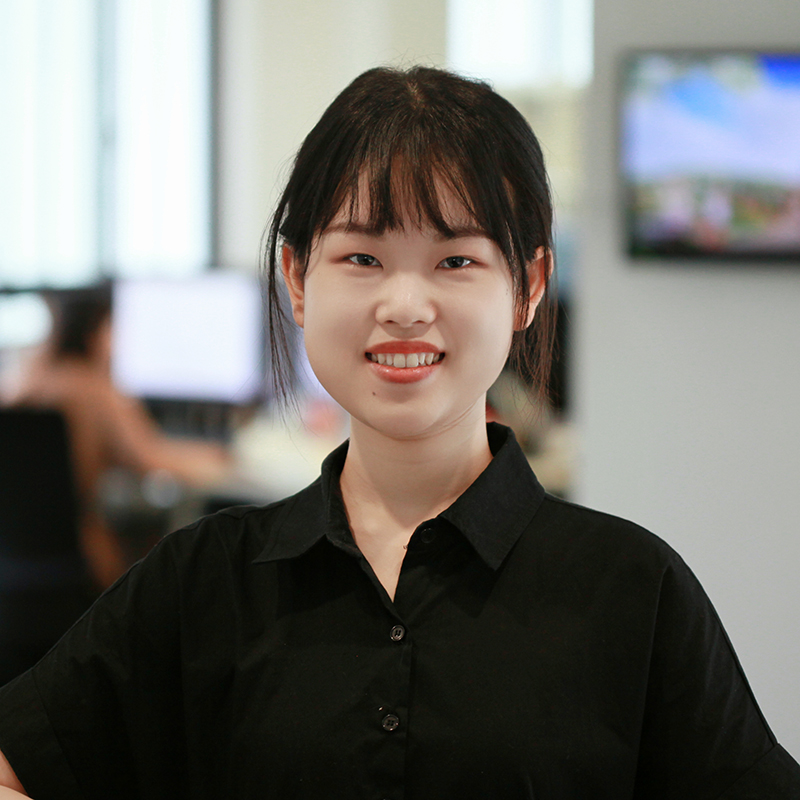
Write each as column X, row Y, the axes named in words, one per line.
column 424, row 621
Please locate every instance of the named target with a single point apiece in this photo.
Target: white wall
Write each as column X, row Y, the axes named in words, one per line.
column 688, row 378
column 281, row 65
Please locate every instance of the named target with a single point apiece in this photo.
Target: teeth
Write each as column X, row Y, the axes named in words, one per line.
column 403, row 360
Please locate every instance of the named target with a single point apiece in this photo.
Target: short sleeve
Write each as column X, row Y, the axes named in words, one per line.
column 703, row 735
column 774, row 775
column 100, row 715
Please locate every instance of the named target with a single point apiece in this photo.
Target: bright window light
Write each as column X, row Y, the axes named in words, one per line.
column 518, row 44
column 105, row 140
column 48, row 159
column 163, row 137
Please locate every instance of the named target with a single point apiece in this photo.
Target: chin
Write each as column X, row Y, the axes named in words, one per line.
column 409, row 424
column 400, row 422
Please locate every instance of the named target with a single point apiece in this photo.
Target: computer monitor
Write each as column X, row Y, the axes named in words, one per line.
column 198, row 339
column 710, row 154
column 24, row 319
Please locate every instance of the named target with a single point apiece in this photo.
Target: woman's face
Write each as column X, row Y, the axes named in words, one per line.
column 406, row 330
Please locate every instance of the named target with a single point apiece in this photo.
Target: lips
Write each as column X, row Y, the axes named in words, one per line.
column 404, row 362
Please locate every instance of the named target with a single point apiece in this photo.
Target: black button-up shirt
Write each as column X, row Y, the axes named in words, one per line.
column 535, row 649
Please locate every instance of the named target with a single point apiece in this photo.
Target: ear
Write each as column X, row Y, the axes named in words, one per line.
column 540, row 267
column 293, row 279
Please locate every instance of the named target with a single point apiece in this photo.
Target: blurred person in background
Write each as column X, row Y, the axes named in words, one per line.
column 71, row 373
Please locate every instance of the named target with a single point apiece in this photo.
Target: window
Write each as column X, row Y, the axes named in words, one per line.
column 105, row 140
column 522, row 44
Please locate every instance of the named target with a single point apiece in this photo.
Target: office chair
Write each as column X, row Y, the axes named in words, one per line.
column 43, row 579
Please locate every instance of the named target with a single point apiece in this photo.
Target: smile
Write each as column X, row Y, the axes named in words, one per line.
column 405, row 360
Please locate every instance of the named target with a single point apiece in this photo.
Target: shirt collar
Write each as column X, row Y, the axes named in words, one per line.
column 491, row 513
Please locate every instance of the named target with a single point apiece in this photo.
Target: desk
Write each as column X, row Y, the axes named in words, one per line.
column 272, row 458
column 275, row 457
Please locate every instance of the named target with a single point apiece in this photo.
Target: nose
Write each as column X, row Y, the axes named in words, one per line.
column 406, row 301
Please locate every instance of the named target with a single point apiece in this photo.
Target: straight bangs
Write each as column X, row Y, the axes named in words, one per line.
column 417, row 181
column 416, row 169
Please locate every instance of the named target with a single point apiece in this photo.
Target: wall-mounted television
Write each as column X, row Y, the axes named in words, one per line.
column 710, row 154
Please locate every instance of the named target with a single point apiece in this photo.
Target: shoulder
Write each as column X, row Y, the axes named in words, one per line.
column 567, row 525
column 585, row 559
column 240, row 534
column 194, row 580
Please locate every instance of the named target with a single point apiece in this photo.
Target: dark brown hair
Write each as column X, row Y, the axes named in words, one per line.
column 396, row 135
column 77, row 316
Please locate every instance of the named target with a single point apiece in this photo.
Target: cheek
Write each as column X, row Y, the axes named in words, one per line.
column 316, row 316
column 332, row 334
column 493, row 321
column 325, row 310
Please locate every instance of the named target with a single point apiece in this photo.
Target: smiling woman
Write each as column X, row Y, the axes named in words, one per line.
column 424, row 621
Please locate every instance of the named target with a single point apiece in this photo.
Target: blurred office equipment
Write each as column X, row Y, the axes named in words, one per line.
column 25, row 322
column 44, row 584
column 24, row 319
column 710, row 154
column 193, row 349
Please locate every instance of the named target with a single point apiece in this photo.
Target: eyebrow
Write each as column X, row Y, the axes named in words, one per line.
column 457, row 232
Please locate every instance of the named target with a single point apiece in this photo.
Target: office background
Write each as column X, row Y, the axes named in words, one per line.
column 684, row 380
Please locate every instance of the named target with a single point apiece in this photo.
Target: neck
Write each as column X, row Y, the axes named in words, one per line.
column 404, row 482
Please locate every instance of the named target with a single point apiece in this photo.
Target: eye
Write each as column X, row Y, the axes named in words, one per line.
column 455, row 262
column 364, row 260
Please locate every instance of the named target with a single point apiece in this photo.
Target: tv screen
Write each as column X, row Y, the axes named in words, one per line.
column 710, row 154
column 196, row 339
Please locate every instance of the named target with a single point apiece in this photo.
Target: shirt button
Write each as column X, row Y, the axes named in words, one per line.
column 427, row 535
column 397, row 633
column 391, row 722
